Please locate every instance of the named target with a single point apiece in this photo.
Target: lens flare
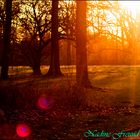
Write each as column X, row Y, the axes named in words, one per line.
column 43, row 103
column 23, row 130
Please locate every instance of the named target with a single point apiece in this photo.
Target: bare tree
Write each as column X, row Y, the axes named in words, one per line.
column 119, row 29
column 67, row 20
column 35, row 25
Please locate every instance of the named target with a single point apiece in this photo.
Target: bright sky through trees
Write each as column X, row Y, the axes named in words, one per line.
column 132, row 6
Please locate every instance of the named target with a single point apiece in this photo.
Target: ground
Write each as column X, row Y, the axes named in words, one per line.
column 112, row 105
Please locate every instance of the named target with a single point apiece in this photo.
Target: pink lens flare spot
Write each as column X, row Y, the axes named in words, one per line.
column 43, row 103
column 23, row 130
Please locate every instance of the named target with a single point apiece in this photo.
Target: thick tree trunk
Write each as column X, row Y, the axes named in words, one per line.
column 81, row 50
column 54, row 69
column 7, row 32
column 36, row 70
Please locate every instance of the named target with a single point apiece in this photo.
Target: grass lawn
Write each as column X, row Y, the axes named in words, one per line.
column 112, row 105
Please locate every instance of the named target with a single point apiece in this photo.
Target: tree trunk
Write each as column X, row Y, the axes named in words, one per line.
column 36, row 67
column 36, row 70
column 68, row 53
column 6, row 38
column 54, row 69
column 37, row 60
column 81, row 50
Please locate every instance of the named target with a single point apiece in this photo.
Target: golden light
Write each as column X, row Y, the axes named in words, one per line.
column 132, row 6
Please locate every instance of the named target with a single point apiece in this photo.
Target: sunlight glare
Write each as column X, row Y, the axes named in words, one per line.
column 132, row 6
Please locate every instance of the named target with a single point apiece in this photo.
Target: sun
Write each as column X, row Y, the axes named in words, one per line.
column 132, row 6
